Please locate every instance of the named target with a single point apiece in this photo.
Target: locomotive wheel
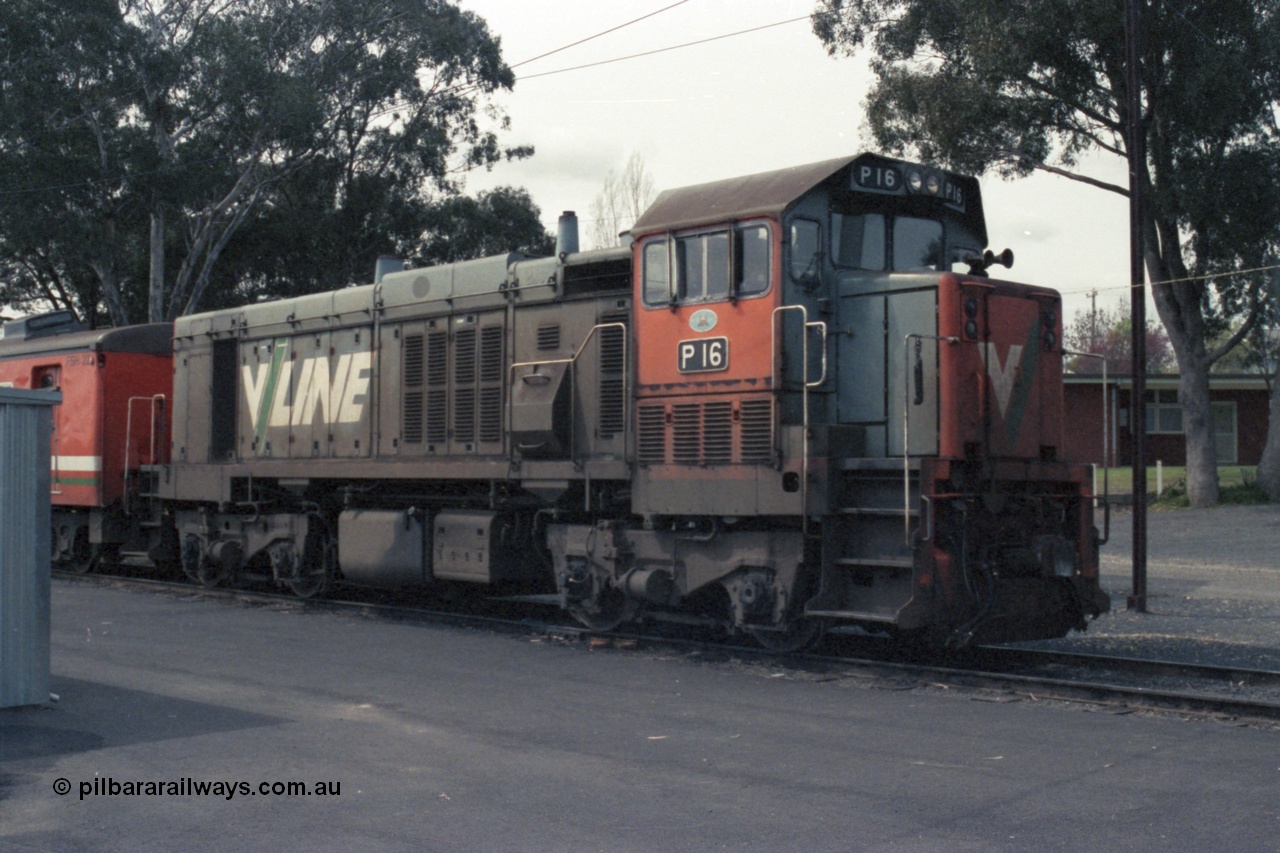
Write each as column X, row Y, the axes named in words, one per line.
column 310, row 584
column 609, row 610
column 797, row 636
column 316, row 569
column 83, row 557
column 210, row 575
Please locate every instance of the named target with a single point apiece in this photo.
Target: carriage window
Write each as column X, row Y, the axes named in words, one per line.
column 917, row 243
column 751, row 260
column 657, row 281
column 857, row 242
column 806, row 250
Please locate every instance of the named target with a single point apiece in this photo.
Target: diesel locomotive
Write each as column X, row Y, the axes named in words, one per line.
column 795, row 400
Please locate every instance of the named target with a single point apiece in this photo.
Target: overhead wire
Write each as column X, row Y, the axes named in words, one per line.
column 664, row 49
column 599, row 34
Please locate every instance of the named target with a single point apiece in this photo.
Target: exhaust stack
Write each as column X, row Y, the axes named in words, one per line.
column 567, row 234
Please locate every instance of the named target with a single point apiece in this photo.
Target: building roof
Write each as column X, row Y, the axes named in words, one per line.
column 1217, row 381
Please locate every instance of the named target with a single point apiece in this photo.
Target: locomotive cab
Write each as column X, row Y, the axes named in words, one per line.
column 823, row 362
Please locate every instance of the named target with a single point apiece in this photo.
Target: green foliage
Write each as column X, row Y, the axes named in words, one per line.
column 270, row 146
column 982, row 84
column 1109, row 333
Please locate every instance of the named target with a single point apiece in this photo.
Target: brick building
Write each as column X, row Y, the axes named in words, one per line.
column 1239, row 403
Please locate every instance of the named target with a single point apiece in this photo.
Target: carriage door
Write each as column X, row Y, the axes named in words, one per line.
column 49, row 378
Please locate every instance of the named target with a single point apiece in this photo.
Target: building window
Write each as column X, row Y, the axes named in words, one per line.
column 1164, row 415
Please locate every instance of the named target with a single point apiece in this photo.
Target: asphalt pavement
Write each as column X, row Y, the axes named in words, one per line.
column 1213, row 588
column 182, row 722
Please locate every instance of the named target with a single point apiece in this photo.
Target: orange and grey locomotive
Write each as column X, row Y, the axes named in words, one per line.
column 795, row 400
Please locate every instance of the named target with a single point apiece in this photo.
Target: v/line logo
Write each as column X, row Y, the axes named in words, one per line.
column 1002, row 375
column 338, row 390
column 1012, row 379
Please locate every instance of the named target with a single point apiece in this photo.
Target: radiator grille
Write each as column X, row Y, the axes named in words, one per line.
column 717, row 432
column 652, row 434
column 756, row 441
column 686, row 433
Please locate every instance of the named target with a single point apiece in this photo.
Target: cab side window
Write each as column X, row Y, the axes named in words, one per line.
column 806, row 250
column 858, row 241
column 708, row 266
column 751, row 260
column 703, row 266
column 917, row 244
column 657, row 278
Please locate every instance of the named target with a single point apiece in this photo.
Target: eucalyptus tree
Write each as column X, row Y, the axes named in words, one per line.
column 989, row 85
column 193, row 117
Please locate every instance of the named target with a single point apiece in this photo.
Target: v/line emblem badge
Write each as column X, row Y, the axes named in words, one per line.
column 337, row 389
column 1002, row 375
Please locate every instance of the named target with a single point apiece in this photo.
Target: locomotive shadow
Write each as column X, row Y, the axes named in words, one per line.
column 92, row 715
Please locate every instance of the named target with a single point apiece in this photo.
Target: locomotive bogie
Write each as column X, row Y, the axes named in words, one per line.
column 638, row 567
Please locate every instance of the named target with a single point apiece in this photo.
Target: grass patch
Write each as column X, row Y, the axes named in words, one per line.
column 1120, row 480
column 1237, row 486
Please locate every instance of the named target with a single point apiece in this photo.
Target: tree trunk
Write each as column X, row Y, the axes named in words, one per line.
column 1269, row 464
column 1178, row 302
column 155, row 303
column 1202, row 450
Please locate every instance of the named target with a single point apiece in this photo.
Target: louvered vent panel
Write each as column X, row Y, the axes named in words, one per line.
column 652, row 438
column 437, row 420
column 491, row 414
column 437, row 358
column 612, row 400
column 464, row 414
column 549, row 337
column 686, row 433
column 413, row 361
column 412, row 418
column 612, row 352
column 464, row 357
column 613, row 405
column 491, row 354
column 717, row 433
column 756, row 439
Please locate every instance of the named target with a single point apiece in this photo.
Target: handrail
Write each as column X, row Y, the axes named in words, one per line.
column 776, row 380
column 906, row 425
column 572, row 362
column 1106, row 446
column 154, row 400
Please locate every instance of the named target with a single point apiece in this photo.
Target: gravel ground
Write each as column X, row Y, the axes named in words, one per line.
column 1213, row 589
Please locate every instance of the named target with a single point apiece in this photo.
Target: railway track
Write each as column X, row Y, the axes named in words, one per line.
column 1002, row 673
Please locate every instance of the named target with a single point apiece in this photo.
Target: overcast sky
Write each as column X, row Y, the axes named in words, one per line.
column 748, row 103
